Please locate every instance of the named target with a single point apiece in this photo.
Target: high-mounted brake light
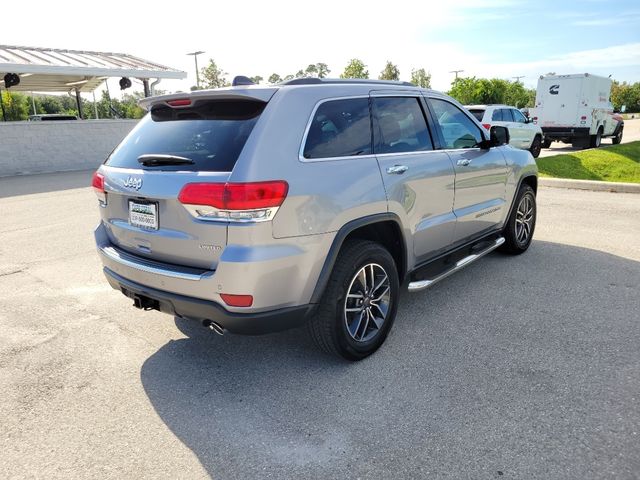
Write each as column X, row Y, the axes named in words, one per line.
column 253, row 201
column 487, row 126
column 97, row 182
column 182, row 102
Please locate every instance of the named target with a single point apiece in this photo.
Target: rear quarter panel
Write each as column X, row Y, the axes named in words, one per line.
column 324, row 194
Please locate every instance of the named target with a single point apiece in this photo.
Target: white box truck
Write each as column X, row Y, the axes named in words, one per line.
column 576, row 109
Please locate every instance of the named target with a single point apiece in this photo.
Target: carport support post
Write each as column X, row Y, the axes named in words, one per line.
column 4, row 114
column 145, row 83
column 79, row 102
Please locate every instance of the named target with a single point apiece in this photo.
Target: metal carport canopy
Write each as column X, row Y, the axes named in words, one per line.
column 56, row 70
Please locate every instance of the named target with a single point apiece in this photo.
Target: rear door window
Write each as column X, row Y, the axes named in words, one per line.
column 506, row 115
column 400, row 125
column 339, row 128
column 211, row 134
column 497, row 115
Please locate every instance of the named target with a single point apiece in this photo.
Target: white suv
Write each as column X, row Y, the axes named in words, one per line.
column 523, row 133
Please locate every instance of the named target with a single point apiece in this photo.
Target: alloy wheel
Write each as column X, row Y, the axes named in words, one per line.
column 367, row 302
column 524, row 219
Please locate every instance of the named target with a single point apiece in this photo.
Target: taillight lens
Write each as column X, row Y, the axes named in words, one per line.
column 487, row 126
column 251, row 201
column 97, row 182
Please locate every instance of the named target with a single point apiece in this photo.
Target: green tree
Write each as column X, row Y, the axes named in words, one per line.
column 355, row 69
column 275, row 78
column 322, row 70
column 213, row 76
column 421, row 78
column 390, row 72
column 310, row 71
column 627, row 94
column 472, row 90
column 16, row 105
column 48, row 104
column 257, row 79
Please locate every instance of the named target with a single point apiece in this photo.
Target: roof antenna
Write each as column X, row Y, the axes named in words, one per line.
column 242, row 80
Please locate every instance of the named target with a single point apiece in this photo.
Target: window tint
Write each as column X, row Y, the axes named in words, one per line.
column 340, row 128
column 497, row 115
column 518, row 116
column 400, row 126
column 506, row 115
column 458, row 130
column 479, row 114
column 212, row 134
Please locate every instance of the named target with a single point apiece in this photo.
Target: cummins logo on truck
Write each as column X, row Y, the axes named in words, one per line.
column 553, row 89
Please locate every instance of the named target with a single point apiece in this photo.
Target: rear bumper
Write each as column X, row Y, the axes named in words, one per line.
column 565, row 132
column 199, row 309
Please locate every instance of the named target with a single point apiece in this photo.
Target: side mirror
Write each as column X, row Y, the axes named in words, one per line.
column 497, row 136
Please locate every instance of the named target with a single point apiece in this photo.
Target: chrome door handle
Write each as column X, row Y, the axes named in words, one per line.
column 397, row 169
column 463, row 163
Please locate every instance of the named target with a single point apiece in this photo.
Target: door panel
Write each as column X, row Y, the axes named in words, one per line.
column 418, row 180
column 480, row 175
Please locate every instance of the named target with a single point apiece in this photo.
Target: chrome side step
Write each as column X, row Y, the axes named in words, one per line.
column 459, row 265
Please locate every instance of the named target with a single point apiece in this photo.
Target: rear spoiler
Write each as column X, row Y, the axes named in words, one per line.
column 262, row 94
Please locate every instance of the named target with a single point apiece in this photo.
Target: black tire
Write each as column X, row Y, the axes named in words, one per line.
column 596, row 140
column 580, row 142
column 536, row 146
column 514, row 243
column 330, row 327
column 618, row 138
column 546, row 143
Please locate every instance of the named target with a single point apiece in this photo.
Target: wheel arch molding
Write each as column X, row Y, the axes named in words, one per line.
column 384, row 228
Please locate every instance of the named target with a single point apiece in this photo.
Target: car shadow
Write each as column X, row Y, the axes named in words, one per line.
column 44, row 182
column 500, row 365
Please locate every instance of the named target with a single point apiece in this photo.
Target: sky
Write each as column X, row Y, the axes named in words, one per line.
column 485, row 38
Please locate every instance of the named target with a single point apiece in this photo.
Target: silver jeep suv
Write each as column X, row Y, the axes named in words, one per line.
column 255, row 209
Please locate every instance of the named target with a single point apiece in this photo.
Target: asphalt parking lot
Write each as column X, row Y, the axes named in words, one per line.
column 631, row 134
column 517, row 367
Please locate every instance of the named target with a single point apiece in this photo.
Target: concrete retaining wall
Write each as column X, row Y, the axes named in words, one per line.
column 55, row 146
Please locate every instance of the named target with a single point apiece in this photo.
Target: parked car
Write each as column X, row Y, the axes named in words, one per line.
column 49, row 117
column 523, row 133
column 254, row 209
column 576, row 109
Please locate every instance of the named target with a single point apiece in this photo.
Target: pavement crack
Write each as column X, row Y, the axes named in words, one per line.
column 6, row 274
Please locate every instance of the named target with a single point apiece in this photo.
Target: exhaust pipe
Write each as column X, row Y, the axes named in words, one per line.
column 216, row 327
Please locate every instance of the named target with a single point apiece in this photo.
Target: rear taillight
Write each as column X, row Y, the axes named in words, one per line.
column 487, row 126
column 97, row 182
column 254, row 201
column 535, row 120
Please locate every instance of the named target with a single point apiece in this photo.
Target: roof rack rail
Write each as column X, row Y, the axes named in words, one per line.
column 325, row 81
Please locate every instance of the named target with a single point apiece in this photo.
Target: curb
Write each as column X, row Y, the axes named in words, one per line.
column 617, row 187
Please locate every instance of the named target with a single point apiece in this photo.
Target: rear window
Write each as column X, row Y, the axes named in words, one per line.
column 478, row 114
column 340, row 128
column 212, row 134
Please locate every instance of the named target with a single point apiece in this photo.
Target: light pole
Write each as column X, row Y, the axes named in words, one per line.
column 518, row 78
column 195, row 57
column 456, row 72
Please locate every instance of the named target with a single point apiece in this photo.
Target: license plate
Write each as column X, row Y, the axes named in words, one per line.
column 143, row 215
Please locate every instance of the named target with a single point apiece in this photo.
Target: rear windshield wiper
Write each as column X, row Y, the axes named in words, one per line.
column 156, row 159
